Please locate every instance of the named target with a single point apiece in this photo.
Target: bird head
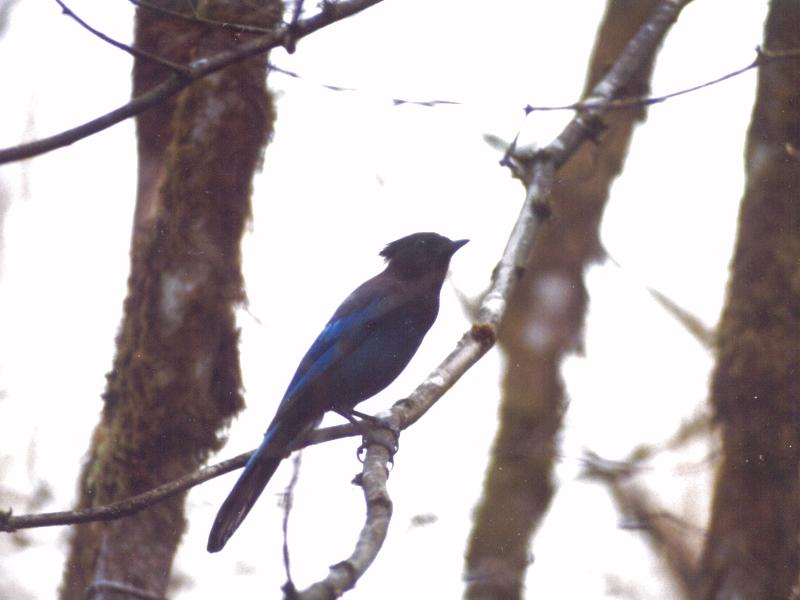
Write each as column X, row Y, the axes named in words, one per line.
column 419, row 254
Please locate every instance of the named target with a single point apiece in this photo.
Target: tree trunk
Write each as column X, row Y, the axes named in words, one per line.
column 543, row 324
column 751, row 550
column 175, row 381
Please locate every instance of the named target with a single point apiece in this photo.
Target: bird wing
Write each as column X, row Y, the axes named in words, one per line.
column 348, row 326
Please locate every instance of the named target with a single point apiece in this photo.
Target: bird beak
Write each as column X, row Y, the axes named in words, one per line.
column 457, row 244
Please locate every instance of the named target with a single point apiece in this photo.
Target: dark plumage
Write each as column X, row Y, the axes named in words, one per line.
column 367, row 343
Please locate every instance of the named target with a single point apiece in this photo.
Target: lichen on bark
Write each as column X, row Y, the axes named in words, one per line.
column 175, row 381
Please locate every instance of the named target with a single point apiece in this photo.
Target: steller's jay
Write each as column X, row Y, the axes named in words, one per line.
column 367, row 343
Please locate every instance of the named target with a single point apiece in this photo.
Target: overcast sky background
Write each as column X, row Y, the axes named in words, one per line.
column 346, row 173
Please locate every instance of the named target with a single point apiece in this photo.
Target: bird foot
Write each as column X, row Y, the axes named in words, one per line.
column 382, row 431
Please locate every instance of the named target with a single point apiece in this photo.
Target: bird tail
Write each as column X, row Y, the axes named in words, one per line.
column 257, row 473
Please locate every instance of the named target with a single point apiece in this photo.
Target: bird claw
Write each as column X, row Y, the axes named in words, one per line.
column 380, row 432
column 374, row 431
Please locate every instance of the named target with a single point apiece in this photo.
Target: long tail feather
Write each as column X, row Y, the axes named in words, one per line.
column 243, row 496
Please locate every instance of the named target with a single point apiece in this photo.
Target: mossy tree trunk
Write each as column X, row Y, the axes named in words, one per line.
column 544, row 323
column 175, row 381
column 753, row 540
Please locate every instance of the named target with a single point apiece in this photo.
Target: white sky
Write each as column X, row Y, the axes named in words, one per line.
column 346, row 173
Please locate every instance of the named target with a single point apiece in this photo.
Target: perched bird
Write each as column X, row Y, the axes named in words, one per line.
column 367, row 343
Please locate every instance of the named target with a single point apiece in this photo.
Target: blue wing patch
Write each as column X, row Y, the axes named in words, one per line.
column 343, row 332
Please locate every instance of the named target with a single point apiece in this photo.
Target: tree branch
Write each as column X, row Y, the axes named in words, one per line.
column 197, row 69
column 197, row 19
column 763, row 57
column 288, row 35
column 135, row 52
column 123, row 508
column 134, row 504
column 288, row 502
column 668, row 534
column 344, row 575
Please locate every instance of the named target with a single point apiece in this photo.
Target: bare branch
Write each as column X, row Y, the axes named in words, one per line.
column 132, row 505
column 97, row 588
column 141, row 54
column 763, row 57
column 343, row 576
column 284, row 37
column 622, row 103
column 691, row 323
column 665, row 531
column 197, row 19
column 197, row 69
column 291, row 40
column 288, row 502
column 125, row 507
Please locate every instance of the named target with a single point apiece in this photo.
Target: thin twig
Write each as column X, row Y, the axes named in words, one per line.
column 288, row 502
column 122, row 508
column 134, row 504
column 291, row 39
column 622, row 103
column 141, row 54
column 762, row 58
column 198, row 20
column 196, row 70
column 331, row 13
column 639, row 510
column 130, row 591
